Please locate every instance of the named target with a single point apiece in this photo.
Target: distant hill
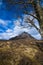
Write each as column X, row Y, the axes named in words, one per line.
column 22, row 36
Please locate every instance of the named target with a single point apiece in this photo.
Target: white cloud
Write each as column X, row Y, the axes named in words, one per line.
column 9, row 30
column 38, row 36
column 17, row 22
column 36, row 23
column 3, row 22
column 18, row 29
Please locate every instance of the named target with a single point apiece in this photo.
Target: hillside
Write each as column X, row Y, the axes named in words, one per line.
column 21, row 51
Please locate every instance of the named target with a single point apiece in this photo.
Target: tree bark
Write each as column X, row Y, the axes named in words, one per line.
column 39, row 14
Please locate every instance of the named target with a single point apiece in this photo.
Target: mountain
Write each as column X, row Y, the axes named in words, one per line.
column 22, row 36
column 21, row 50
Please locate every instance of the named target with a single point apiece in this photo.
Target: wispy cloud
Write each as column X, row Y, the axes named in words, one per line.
column 2, row 22
column 18, row 29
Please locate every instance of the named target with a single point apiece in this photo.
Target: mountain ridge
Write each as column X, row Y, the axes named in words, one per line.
column 22, row 36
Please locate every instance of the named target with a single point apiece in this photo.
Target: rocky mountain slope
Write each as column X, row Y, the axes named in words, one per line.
column 22, row 36
column 22, row 50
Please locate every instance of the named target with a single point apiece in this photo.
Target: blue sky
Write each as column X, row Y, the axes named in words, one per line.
column 41, row 3
column 13, row 21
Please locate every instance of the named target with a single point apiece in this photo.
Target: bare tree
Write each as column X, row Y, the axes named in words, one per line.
column 36, row 6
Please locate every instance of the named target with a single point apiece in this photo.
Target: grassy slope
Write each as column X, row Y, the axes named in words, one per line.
column 20, row 52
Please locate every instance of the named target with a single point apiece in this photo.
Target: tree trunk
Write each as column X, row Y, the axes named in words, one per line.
column 39, row 14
